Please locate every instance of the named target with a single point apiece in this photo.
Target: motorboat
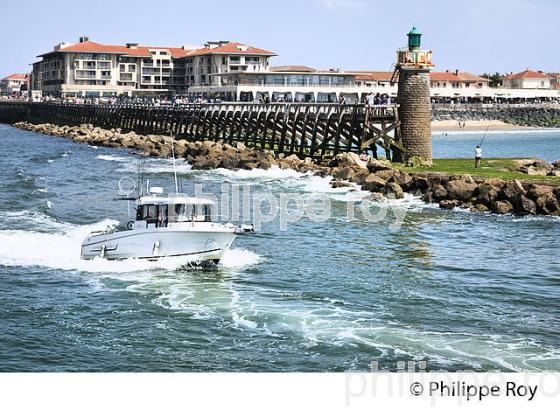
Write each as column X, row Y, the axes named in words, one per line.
column 165, row 226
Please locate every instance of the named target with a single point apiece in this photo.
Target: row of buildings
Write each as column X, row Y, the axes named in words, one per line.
column 237, row 72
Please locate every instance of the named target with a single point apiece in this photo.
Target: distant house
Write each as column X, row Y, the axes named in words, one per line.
column 554, row 80
column 528, row 79
column 373, row 78
column 445, row 79
column 457, row 79
column 470, row 80
column 13, row 84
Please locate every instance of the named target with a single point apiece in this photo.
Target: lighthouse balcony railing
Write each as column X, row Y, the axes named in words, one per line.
column 414, row 58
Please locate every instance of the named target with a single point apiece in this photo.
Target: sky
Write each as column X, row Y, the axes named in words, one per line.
column 473, row 35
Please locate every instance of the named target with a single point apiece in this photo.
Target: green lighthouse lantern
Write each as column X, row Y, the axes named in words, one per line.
column 414, row 39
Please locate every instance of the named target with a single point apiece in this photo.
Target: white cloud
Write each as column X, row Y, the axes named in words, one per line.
column 343, row 5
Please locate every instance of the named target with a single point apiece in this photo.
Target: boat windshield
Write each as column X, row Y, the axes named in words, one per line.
column 161, row 215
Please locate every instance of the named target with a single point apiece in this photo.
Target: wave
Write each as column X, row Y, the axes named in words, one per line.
column 112, row 158
column 327, row 322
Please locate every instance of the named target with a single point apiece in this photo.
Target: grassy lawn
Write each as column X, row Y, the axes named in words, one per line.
column 490, row 168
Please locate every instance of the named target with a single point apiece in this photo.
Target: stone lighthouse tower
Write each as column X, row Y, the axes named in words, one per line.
column 415, row 109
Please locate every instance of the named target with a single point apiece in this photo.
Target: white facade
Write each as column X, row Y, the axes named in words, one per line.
column 528, row 79
column 329, row 86
column 528, row 83
column 13, row 84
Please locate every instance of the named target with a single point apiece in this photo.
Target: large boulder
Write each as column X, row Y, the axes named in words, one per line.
column 525, row 206
column 344, row 173
column 394, row 189
column 460, row 190
column 449, row 204
column 337, row 183
column 536, row 191
column 502, row 207
column 487, row 193
column 439, row 192
column 205, row 163
column 402, row 178
column 532, row 166
column 480, row 208
column 359, row 177
column 375, row 165
column 511, row 190
column 537, row 171
column 230, row 162
column 374, row 183
column 547, row 204
column 386, row 174
column 347, row 159
column 420, row 183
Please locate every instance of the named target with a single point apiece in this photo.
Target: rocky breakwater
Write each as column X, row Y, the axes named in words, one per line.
column 544, row 116
column 379, row 177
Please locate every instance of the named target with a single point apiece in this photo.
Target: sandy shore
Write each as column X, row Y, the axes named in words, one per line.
column 473, row 125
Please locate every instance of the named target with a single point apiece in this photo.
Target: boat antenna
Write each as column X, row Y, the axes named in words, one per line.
column 174, row 165
column 484, row 136
column 141, row 177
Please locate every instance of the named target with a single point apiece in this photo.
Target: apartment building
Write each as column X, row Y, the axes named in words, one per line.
column 14, row 84
column 204, row 67
column 90, row 69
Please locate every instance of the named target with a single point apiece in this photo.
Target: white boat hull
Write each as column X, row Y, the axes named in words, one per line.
column 154, row 243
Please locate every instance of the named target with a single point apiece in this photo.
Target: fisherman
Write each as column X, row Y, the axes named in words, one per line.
column 477, row 156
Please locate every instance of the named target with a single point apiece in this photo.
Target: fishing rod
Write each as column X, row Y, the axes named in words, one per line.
column 174, row 165
column 484, row 136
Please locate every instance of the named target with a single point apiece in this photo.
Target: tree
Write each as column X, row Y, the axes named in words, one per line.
column 496, row 79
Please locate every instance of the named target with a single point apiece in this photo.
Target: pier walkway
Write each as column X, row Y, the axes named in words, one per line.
column 304, row 129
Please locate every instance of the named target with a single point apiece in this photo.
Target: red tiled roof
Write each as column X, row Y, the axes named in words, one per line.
column 444, row 76
column 16, row 77
column 136, row 51
column 144, row 51
column 527, row 74
column 373, row 75
column 231, row 48
column 469, row 77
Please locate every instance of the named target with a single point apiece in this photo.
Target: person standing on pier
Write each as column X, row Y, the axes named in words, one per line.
column 370, row 99
column 477, row 156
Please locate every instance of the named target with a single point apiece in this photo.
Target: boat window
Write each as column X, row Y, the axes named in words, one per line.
column 207, row 213
column 149, row 213
column 181, row 213
column 162, row 216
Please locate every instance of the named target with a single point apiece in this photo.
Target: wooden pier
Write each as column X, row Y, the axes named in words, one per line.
column 304, row 129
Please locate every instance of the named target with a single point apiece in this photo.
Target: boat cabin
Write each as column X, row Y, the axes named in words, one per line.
column 162, row 211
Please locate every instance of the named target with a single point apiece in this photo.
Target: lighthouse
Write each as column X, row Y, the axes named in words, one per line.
column 415, row 109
